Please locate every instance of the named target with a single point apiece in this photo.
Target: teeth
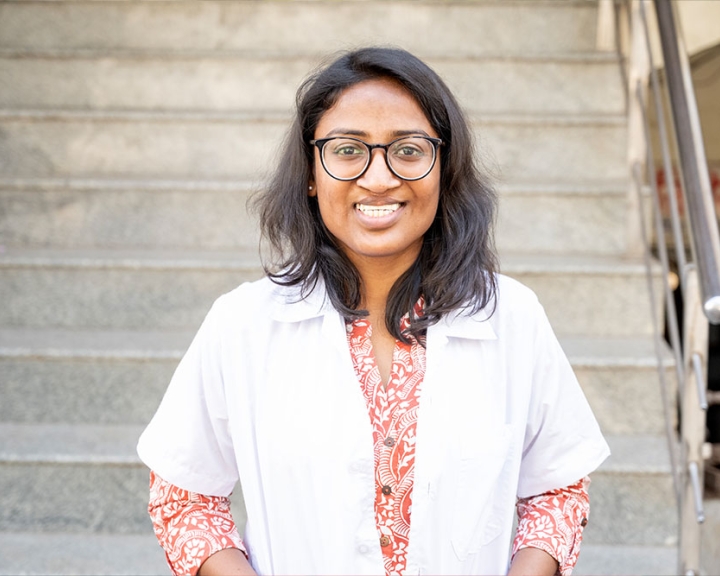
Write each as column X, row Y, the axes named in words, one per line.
column 377, row 211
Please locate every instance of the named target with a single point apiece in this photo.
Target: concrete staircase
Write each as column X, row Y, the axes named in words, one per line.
column 132, row 132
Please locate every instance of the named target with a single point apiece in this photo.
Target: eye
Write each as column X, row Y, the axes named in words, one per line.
column 348, row 149
column 409, row 150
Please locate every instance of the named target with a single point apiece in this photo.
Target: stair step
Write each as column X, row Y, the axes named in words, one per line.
column 283, row 27
column 174, row 289
column 620, row 560
column 119, row 289
column 205, row 81
column 240, row 144
column 587, row 296
column 552, row 218
column 619, row 377
column 710, row 534
column 68, row 444
column 127, row 214
column 115, row 554
column 72, row 478
column 637, row 454
column 35, row 553
column 85, row 377
column 118, row 377
column 562, row 219
column 113, row 345
column 53, row 473
column 632, row 500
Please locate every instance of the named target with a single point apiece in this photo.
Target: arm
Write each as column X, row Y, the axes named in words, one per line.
column 227, row 562
column 549, row 532
column 533, row 562
column 193, row 529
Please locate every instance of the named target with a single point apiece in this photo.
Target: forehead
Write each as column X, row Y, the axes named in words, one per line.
column 375, row 107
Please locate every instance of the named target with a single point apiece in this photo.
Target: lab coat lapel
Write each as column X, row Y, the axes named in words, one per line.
column 454, row 344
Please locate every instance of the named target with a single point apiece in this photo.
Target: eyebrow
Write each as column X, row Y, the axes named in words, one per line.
column 395, row 134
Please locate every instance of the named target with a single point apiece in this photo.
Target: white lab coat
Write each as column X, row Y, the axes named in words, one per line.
column 267, row 394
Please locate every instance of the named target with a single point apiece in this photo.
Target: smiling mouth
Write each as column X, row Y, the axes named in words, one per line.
column 377, row 211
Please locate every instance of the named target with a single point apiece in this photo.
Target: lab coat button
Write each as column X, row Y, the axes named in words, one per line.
column 389, row 442
column 384, row 541
column 386, row 490
column 362, row 549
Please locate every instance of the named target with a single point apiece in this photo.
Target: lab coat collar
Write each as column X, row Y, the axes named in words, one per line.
column 291, row 305
column 461, row 324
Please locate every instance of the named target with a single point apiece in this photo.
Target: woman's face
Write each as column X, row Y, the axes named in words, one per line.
column 377, row 218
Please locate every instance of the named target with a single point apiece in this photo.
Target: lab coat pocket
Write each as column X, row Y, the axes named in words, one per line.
column 479, row 508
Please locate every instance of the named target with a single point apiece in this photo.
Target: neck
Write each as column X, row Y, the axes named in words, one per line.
column 377, row 278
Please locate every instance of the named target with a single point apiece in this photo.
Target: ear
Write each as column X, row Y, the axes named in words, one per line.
column 312, row 190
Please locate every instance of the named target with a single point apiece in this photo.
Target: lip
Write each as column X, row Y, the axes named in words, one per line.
column 374, row 218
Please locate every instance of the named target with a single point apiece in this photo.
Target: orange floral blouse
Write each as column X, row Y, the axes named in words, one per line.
column 191, row 527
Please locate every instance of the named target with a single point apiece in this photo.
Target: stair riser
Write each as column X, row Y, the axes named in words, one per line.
column 201, row 84
column 113, row 298
column 70, row 498
column 239, row 149
column 632, row 508
column 609, row 560
column 547, row 223
column 710, row 534
column 307, row 27
column 626, row 400
column 86, row 391
column 127, row 218
column 82, row 391
column 577, row 304
column 81, row 554
column 626, row 508
column 593, row 304
column 533, row 223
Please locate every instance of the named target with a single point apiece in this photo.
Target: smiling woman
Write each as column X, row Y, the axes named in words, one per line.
column 384, row 397
column 377, row 214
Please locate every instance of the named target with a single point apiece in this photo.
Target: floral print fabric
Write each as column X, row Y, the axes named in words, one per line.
column 554, row 522
column 392, row 407
column 189, row 526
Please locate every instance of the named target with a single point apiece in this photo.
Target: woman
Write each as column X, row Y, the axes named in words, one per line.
column 384, row 396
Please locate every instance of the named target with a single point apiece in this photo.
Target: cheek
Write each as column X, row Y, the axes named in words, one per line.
column 432, row 199
column 333, row 211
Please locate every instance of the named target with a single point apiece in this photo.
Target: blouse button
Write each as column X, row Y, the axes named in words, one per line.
column 384, row 541
column 583, row 522
column 389, row 442
column 386, row 490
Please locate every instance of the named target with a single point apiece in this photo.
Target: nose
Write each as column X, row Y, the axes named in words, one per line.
column 378, row 177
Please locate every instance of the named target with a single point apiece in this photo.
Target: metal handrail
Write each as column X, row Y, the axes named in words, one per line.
column 700, row 279
column 695, row 176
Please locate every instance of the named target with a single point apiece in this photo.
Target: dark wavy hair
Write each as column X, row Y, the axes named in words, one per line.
column 457, row 262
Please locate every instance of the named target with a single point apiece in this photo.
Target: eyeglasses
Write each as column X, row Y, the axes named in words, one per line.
column 409, row 157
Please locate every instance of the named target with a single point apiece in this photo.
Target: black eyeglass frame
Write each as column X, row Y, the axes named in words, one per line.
column 320, row 144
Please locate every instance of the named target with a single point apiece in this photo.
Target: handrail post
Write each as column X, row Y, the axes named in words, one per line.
column 606, row 41
column 638, row 72
column 692, row 425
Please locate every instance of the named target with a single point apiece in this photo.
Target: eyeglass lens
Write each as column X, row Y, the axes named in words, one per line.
column 410, row 158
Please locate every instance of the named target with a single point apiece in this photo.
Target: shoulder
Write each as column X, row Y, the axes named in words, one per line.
column 259, row 294
column 514, row 312
column 247, row 301
column 263, row 301
column 514, row 298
